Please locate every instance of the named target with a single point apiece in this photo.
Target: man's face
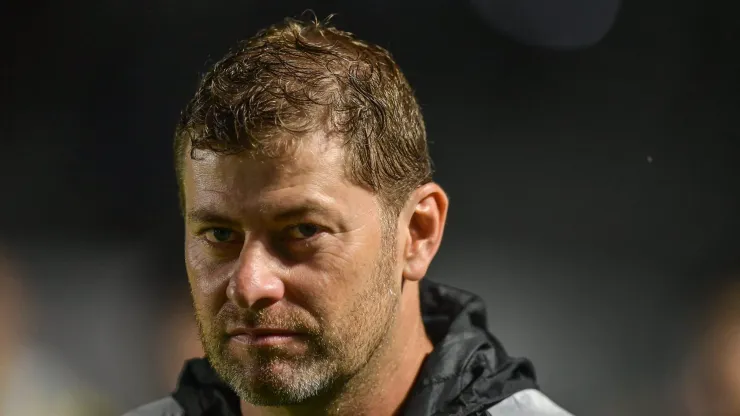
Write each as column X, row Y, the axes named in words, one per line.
column 287, row 245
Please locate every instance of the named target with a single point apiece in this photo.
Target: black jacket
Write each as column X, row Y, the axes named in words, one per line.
column 468, row 373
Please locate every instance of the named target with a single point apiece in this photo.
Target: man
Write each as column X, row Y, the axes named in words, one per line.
column 311, row 219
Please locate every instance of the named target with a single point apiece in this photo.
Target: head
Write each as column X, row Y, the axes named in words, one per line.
column 309, row 207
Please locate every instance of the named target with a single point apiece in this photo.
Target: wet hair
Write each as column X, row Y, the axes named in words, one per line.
column 301, row 77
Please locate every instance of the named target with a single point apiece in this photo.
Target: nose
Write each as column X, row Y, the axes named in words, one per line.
column 255, row 284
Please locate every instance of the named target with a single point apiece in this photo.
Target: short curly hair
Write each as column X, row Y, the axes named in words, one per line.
column 300, row 77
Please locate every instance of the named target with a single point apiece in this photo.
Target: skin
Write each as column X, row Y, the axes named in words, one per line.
column 291, row 243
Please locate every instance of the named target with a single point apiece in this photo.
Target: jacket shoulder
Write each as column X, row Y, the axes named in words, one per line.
column 163, row 407
column 528, row 402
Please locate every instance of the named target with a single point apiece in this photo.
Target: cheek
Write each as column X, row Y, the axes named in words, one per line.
column 330, row 283
column 367, row 297
column 207, row 282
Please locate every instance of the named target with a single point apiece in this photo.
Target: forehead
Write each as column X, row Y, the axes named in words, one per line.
column 313, row 171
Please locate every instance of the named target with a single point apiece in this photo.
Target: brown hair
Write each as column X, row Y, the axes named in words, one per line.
column 300, row 77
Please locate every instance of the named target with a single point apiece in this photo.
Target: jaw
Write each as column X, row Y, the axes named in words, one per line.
column 382, row 384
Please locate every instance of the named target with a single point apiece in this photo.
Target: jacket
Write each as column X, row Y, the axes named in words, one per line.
column 468, row 373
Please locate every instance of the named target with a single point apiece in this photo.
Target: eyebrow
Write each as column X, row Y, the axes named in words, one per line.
column 207, row 215
column 299, row 211
column 211, row 216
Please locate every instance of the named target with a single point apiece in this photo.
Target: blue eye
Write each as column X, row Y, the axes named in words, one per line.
column 308, row 230
column 219, row 235
column 303, row 231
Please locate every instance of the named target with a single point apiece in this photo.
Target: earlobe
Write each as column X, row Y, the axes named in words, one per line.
column 427, row 217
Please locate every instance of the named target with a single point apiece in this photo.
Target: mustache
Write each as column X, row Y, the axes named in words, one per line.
column 231, row 315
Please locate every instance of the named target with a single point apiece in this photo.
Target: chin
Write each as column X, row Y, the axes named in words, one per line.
column 275, row 381
column 270, row 396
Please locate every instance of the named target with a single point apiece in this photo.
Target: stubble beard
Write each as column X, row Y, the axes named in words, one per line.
column 272, row 378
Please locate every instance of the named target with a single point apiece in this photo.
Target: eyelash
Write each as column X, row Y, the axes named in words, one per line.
column 203, row 234
column 319, row 230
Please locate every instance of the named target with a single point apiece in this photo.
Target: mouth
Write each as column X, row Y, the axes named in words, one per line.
column 264, row 337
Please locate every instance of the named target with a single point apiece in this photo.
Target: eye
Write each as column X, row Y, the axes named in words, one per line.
column 303, row 231
column 220, row 235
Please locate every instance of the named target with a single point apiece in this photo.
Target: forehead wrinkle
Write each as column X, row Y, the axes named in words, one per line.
column 314, row 174
column 313, row 196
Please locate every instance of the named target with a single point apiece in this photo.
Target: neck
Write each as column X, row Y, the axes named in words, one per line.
column 381, row 387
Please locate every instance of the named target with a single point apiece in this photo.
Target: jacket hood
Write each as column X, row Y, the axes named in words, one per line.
column 467, row 372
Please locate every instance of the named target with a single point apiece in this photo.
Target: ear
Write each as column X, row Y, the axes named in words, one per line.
column 425, row 217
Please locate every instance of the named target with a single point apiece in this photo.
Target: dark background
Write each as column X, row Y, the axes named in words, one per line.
column 591, row 191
